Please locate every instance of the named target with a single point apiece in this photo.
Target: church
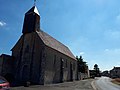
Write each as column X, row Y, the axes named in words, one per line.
column 37, row 57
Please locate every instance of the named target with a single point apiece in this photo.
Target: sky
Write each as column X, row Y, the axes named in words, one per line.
column 90, row 28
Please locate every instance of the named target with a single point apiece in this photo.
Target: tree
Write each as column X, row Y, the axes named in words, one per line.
column 96, row 67
column 97, row 71
column 82, row 66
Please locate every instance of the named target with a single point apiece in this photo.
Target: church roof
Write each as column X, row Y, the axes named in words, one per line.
column 33, row 10
column 54, row 44
column 50, row 41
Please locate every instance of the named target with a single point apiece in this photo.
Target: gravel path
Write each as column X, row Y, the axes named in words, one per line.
column 75, row 85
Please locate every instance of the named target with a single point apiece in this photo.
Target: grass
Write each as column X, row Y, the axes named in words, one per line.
column 116, row 81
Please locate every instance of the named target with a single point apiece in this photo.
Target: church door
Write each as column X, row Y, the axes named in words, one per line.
column 25, row 73
column 71, row 72
column 61, row 70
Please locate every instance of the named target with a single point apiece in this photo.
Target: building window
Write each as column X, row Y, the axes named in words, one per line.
column 66, row 64
column 27, row 49
column 54, row 61
column 62, row 62
column 74, row 66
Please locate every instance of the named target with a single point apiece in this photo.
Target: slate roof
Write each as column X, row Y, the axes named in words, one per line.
column 116, row 68
column 54, row 44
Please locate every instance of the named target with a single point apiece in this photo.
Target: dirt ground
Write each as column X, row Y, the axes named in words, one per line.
column 116, row 81
column 75, row 85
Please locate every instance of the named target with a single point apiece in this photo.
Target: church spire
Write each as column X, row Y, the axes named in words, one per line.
column 34, row 2
column 31, row 20
column 33, row 10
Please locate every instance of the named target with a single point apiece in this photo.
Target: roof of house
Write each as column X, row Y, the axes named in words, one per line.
column 5, row 56
column 116, row 68
column 55, row 44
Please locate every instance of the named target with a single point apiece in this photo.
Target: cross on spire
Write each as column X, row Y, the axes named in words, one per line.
column 34, row 2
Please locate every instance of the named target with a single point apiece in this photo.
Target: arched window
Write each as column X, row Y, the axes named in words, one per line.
column 27, row 49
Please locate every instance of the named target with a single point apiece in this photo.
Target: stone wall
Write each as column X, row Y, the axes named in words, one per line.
column 53, row 67
column 40, row 64
column 82, row 76
column 28, row 57
column 7, row 67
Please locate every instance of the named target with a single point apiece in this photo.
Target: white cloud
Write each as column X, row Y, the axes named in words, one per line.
column 112, row 56
column 2, row 23
column 112, row 51
column 101, row 2
column 106, row 59
column 112, row 35
column 118, row 17
column 82, row 53
column 106, row 50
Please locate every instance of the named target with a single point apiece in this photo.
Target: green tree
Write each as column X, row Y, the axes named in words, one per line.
column 97, row 71
column 82, row 65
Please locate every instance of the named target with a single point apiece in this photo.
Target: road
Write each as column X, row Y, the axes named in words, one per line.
column 75, row 85
column 104, row 83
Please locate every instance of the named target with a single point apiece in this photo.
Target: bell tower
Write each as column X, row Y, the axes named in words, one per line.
column 31, row 21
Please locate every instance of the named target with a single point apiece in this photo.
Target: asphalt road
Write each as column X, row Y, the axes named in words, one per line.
column 75, row 85
column 104, row 83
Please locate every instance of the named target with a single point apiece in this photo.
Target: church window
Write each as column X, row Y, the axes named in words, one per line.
column 66, row 64
column 27, row 49
column 73, row 66
column 54, row 61
column 37, row 25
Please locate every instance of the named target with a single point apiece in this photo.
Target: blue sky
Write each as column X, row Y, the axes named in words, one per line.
column 90, row 28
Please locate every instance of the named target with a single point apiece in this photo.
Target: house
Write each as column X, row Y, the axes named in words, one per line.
column 115, row 72
column 6, row 66
column 105, row 73
column 92, row 73
column 39, row 58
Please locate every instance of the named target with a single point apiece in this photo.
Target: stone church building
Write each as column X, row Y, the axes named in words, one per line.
column 37, row 57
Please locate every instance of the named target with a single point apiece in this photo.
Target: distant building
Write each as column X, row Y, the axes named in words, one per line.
column 37, row 57
column 115, row 72
column 6, row 66
column 92, row 73
column 84, row 75
column 105, row 73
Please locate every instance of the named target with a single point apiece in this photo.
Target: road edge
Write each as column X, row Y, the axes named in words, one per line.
column 93, row 85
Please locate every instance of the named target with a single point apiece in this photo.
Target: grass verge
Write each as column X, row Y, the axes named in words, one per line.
column 116, row 81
